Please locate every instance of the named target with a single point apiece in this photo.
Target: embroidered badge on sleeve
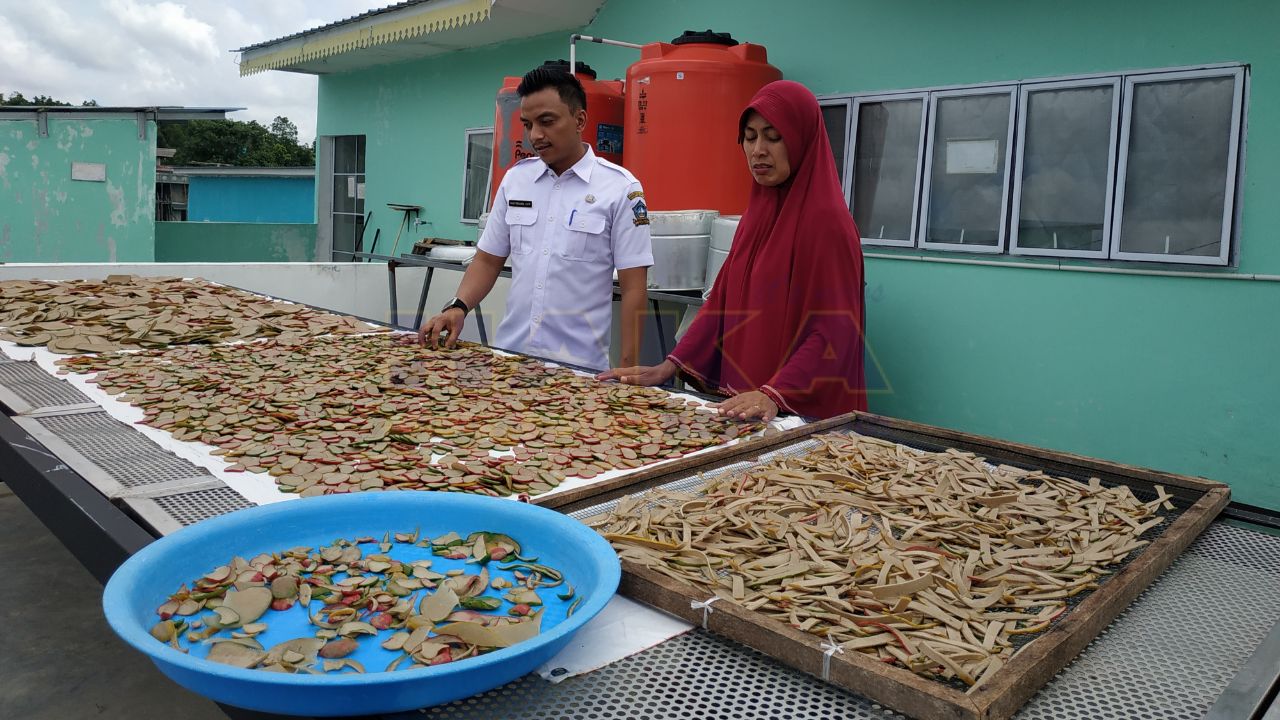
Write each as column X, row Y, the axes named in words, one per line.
column 641, row 213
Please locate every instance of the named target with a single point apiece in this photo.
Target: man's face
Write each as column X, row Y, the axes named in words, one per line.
column 554, row 130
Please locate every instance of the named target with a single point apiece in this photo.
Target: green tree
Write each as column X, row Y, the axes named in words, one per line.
column 17, row 98
column 231, row 142
column 216, row 142
column 282, row 128
column 47, row 101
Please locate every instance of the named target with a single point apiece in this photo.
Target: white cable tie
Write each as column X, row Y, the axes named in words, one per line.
column 706, row 608
column 830, row 647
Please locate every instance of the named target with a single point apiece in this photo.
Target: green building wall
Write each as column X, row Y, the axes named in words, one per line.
column 1177, row 373
column 45, row 216
column 230, row 242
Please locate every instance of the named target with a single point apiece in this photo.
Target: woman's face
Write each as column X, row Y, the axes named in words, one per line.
column 766, row 152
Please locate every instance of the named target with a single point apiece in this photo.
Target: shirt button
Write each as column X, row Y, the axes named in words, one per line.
column 544, row 251
column 557, row 186
column 539, row 286
column 550, row 218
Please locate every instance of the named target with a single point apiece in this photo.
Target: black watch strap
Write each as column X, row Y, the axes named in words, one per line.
column 456, row 303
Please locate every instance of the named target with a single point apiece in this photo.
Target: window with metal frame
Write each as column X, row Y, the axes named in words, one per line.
column 1179, row 154
column 1065, row 168
column 477, row 173
column 347, row 214
column 835, row 118
column 1141, row 166
column 966, row 171
column 884, row 177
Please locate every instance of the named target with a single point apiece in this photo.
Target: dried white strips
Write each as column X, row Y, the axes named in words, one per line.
column 131, row 312
column 931, row 561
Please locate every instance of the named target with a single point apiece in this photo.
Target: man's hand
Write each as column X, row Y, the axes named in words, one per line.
column 641, row 374
column 749, row 406
column 449, row 321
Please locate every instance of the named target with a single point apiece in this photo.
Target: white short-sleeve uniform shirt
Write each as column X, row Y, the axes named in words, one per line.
column 565, row 235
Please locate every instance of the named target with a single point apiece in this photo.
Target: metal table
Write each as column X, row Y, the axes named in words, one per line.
column 691, row 298
column 1185, row 644
column 431, row 265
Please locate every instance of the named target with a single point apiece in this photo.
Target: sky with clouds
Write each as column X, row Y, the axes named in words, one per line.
column 149, row 52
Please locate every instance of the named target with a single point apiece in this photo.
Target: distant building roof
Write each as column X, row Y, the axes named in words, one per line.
column 235, row 171
column 337, row 23
column 396, row 32
column 161, row 112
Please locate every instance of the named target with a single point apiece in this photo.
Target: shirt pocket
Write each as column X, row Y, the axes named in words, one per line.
column 520, row 223
column 585, row 238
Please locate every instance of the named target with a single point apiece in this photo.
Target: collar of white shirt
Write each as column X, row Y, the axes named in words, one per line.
column 582, row 168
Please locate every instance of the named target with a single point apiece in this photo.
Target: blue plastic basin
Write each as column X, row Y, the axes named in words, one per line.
column 146, row 580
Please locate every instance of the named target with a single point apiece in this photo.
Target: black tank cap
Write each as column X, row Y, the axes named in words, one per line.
column 563, row 66
column 704, row 36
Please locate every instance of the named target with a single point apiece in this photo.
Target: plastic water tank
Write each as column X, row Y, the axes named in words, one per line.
column 683, row 102
column 604, row 131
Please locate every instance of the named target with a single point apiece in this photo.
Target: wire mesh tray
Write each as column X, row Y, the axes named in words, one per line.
column 1197, row 501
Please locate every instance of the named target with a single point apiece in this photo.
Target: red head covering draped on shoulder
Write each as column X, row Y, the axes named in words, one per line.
column 785, row 316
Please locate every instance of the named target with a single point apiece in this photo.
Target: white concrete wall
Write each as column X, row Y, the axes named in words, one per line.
column 354, row 288
column 359, row 289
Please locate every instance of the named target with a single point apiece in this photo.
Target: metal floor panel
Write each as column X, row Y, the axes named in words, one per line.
column 694, row 676
column 114, row 457
column 33, row 388
column 192, row 507
column 1174, row 651
column 169, row 513
column 1168, row 656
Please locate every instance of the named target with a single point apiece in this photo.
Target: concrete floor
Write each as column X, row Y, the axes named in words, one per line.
column 60, row 660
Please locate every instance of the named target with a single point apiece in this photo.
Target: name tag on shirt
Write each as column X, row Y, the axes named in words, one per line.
column 520, row 203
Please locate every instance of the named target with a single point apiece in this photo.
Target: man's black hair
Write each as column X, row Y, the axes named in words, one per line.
column 543, row 77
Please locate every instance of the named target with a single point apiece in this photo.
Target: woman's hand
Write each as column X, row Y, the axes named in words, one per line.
column 641, row 374
column 749, row 406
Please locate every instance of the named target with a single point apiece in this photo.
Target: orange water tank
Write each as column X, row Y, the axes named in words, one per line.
column 684, row 99
column 605, row 110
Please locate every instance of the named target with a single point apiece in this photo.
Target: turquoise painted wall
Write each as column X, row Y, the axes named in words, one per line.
column 251, row 199
column 1175, row 373
column 45, row 216
column 413, row 115
column 235, row 242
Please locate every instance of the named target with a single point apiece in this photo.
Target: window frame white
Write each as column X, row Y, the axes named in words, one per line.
column 1015, row 209
column 852, row 155
column 927, row 177
column 1223, row 257
column 488, row 185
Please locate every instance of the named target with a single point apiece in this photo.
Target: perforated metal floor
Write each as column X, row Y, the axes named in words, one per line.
column 36, row 387
column 192, row 507
column 1168, row 657
column 125, row 454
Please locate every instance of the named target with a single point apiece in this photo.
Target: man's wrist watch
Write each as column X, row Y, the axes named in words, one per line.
column 456, row 303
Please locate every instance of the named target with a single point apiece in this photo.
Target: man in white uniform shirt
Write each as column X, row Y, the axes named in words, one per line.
column 567, row 219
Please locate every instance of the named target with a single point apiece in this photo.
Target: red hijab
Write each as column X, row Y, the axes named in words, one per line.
column 785, row 316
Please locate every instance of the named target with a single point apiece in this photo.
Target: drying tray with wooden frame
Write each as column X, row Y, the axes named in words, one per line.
column 1197, row 502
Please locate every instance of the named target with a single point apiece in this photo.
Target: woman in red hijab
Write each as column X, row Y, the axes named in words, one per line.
column 782, row 328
